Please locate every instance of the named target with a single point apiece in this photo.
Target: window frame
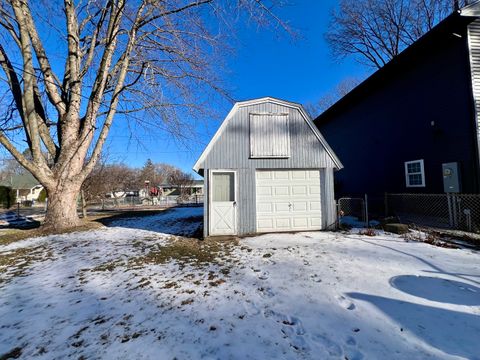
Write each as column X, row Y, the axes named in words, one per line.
column 287, row 134
column 421, row 173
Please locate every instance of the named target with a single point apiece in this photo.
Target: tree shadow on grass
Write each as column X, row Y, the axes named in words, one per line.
column 453, row 332
column 438, row 289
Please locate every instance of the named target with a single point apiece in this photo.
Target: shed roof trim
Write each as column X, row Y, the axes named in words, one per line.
column 471, row 10
column 293, row 105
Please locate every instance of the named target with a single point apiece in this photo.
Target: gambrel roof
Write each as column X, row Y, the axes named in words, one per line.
column 199, row 163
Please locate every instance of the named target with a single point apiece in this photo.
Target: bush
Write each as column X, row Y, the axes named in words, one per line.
column 7, row 196
column 42, row 196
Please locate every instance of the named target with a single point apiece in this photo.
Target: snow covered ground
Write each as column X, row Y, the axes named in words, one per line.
column 131, row 291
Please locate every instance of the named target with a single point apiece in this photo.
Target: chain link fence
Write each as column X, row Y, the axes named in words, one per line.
column 448, row 211
column 352, row 211
column 160, row 201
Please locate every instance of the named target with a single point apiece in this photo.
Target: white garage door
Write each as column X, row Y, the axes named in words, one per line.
column 288, row 200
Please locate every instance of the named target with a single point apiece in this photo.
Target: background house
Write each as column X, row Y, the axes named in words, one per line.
column 26, row 186
column 395, row 130
column 267, row 169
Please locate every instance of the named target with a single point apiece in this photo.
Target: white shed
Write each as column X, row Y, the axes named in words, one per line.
column 267, row 169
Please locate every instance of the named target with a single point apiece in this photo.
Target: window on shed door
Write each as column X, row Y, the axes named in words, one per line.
column 223, row 186
column 415, row 173
column 269, row 136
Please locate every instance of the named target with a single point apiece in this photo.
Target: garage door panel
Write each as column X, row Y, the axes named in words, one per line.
column 280, row 175
column 288, row 200
column 264, row 190
column 300, row 223
column 283, row 223
column 299, row 175
column 300, row 206
column 264, row 175
column 299, row 190
column 314, row 174
column 265, row 224
column 264, row 208
column 314, row 205
column 281, row 191
column 281, row 207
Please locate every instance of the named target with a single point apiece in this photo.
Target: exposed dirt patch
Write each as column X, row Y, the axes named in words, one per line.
column 188, row 251
column 12, row 354
column 16, row 262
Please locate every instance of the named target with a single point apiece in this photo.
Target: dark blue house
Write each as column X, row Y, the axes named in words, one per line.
column 396, row 130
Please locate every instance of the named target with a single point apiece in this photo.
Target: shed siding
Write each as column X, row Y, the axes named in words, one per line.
column 474, row 47
column 232, row 148
column 206, row 194
column 269, row 135
column 329, row 208
column 232, row 151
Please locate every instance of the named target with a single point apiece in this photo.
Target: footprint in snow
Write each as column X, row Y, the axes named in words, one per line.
column 351, row 351
column 315, row 278
column 266, row 292
column 345, row 303
column 263, row 276
column 291, row 328
column 331, row 347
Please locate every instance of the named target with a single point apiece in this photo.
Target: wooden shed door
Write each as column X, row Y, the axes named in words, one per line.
column 288, row 200
column 223, row 208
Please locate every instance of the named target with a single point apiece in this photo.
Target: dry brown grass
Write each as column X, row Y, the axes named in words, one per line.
column 96, row 221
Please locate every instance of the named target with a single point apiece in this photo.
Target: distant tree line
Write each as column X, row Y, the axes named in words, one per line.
column 120, row 178
column 114, row 178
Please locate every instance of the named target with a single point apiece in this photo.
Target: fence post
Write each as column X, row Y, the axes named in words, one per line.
column 385, row 204
column 337, row 218
column 366, row 210
column 450, row 211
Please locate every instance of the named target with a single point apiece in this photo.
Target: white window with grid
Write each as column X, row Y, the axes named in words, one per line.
column 415, row 173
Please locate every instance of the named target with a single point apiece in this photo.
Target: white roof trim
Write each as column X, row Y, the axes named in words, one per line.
column 471, row 10
column 237, row 105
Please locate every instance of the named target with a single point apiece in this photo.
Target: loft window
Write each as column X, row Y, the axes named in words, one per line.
column 415, row 173
column 269, row 136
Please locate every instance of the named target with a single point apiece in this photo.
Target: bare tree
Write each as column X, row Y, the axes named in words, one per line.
column 330, row 98
column 151, row 57
column 148, row 173
column 375, row 31
column 182, row 180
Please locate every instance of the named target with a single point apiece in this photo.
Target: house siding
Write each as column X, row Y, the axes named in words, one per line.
column 232, row 151
column 382, row 125
column 474, row 47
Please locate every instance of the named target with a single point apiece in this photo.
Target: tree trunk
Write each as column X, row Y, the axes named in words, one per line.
column 84, row 204
column 62, row 208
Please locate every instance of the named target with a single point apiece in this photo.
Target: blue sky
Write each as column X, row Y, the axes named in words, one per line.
column 266, row 62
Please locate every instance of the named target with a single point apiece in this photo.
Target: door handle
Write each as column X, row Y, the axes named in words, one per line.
column 234, row 203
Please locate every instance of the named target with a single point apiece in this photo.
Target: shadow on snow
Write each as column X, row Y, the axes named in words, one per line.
column 438, row 289
column 441, row 328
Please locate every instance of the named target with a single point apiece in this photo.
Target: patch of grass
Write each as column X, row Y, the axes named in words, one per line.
column 97, row 221
column 108, row 266
column 15, row 353
column 187, row 302
column 13, row 235
column 109, row 216
column 16, row 262
column 188, row 251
